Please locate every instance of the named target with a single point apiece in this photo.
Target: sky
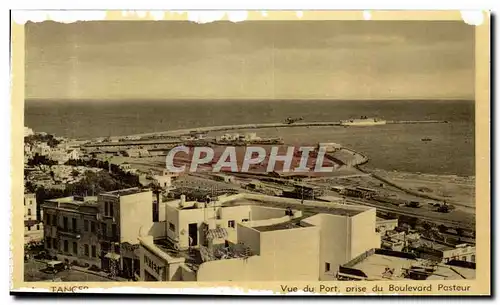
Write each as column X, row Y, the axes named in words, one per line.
column 250, row 60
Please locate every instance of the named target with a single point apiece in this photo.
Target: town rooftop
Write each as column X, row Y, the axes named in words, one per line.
column 125, row 192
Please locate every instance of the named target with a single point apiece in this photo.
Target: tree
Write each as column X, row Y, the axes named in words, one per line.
column 442, row 228
column 38, row 160
column 427, row 225
column 157, row 190
column 30, row 187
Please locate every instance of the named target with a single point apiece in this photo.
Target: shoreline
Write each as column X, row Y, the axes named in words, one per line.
column 365, row 165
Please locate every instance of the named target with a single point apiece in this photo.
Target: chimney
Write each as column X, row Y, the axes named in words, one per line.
column 183, row 200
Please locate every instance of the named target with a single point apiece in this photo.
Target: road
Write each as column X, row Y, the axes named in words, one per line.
column 33, row 273
column 454, row 219
column 420, row 213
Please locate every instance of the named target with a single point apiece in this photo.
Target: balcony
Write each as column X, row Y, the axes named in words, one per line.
column 109, row 238
column 69, row 232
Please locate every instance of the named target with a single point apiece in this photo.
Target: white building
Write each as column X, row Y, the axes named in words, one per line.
column 41, row 149
column 61, row 156
column 33, row 228
column 462, row 252
column 244, row 238
column 28, row 131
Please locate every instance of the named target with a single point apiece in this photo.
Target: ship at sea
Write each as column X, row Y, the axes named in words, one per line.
column 363, row 121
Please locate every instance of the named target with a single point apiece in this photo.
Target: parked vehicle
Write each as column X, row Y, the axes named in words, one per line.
column 413, row 204
column 55, row 267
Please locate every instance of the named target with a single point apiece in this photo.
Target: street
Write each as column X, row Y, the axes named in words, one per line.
column 33, row 273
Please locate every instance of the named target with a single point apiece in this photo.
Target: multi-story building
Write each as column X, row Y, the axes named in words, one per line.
column 123, row 214
column 33, row 227
column 42, row 149
column 61, row 156
column 30, row 211
column 250, row 237
column 462, row 252
column 444, row 252
column 388, row 265
column 71, row 228
column 101, row 231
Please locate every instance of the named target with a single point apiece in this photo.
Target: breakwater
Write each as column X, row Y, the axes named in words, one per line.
column 180, row 132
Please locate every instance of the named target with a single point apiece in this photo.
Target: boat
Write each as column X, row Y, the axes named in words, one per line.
column 363, row 121
column 426, row 139
column 241, row 142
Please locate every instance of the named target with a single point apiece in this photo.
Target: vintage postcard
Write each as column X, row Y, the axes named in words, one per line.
column 280, row 152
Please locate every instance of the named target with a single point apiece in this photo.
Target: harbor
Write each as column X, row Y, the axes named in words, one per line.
column 181, row 132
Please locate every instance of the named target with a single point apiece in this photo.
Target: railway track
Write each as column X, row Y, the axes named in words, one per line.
column 399, row 211
column 421, row 214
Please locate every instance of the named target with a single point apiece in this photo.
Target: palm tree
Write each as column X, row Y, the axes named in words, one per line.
column 157, row 190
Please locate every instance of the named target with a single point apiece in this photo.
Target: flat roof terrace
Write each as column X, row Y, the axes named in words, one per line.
column 292, row 224
column 126, row 192
column 76, row 200
column 307, row 208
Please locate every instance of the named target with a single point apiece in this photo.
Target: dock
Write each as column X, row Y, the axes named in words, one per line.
column 181, row 132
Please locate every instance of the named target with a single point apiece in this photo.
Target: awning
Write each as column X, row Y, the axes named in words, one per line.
column 216, row 233
column 112, row 256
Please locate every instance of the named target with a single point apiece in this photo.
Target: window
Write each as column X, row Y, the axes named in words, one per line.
column 327, row 267
column 92, row 227
column 65, row 246
column 113, row 230
column 29, row 212
column 49, row 243
column 86, row 225
column 105, row 247
column 103, row 229
column 54, row 220
column 230, row 224
column 94, row 251
column 156, row 214
column 37, row 227
column 464, row 258
column 73, row 223
column 111, row 209
column 55, row 243
column 65, row 223
column 86, row 249
column 75, row 248
column 171, row 227
column 106, row 209
column 244, row 220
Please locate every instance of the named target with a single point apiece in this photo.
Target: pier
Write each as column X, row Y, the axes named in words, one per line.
column 181, row 132
column 417, row 122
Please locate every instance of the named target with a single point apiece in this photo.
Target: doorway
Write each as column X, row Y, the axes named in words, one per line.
column 193, row 234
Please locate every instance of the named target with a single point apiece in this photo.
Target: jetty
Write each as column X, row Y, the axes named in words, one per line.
column 181, row 132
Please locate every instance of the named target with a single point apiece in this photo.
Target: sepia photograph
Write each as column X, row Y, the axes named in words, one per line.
column 267, row 150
